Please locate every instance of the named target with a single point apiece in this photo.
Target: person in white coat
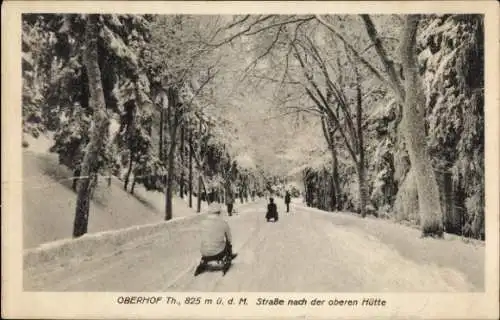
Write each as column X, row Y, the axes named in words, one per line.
column 216, row 239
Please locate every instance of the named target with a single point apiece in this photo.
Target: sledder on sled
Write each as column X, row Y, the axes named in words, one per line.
column 223, row 260
column 272, row 211
column 216, row 242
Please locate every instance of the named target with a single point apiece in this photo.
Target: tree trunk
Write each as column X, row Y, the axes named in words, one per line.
column 129, row 172
column 327, row 191
column 132, row 188
column 169, row 185
column 173, row 106
column 336, row 194
column 406, row 203
column 98, row 129
column 477, row 223
column 76, row 175
column 431, row 216
column 363, row 194
column 333, row 199
column 198, row 202
column 245, row 188
column 181, row 151
column 166, row 127
column 190, row 174
column 306, row 188
column 452, row 218
column 160, row 144
column 228, row 192
column 93, row 185
column 458, row 198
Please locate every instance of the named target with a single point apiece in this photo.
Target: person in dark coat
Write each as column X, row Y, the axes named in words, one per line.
column 272, row 210
column 287, row 201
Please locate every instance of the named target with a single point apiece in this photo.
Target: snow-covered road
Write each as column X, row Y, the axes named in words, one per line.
column 306, row 251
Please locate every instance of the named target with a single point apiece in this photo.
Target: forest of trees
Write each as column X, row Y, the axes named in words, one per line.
column 392, row 105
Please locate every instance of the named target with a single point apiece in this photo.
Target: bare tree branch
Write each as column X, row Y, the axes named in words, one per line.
column 290, row 48
column 245, row 18
column 359, row 114
column 219, row 30
column 281, row 115
column 204, row 83
column 310, row 110
column 333, row 88
column 395, row 82
column 275, row 80
column 339, row 95
column 249, row 32
column 326, row 132
column 322, row 103
column 268, row 50
column 373, row 44
column 238, row 34
column 354, row 51
column 280, row 24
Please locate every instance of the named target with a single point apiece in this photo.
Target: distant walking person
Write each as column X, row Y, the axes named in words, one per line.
column 287, row 201
column 229, row 204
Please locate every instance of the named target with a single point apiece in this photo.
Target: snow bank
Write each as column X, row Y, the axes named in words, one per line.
column 356, row 217
column 90, row 244
column 451, row 252
column 94, row 244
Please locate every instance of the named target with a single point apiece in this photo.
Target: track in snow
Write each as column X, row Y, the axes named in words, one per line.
column 303, row 252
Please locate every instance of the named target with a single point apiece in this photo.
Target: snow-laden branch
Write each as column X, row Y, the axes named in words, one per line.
column 252, row 29
column 280, row 24
column 266, row 52
column 322, row 102
column 240, row 33
column 394, row 80
column 353, row 50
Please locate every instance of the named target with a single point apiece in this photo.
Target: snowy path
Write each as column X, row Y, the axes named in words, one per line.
column 305, row 251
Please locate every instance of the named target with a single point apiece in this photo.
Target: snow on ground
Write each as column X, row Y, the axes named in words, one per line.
column 40, row 145
column 305, row 251
column 450, row 252
column 92, row 244
column 58, row 262
column 49, row 202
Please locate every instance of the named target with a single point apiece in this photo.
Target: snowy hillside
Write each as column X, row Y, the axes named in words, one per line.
column 49, row 202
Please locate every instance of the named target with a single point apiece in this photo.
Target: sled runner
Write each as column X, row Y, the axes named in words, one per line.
column 223, row 262
column 273, row 217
